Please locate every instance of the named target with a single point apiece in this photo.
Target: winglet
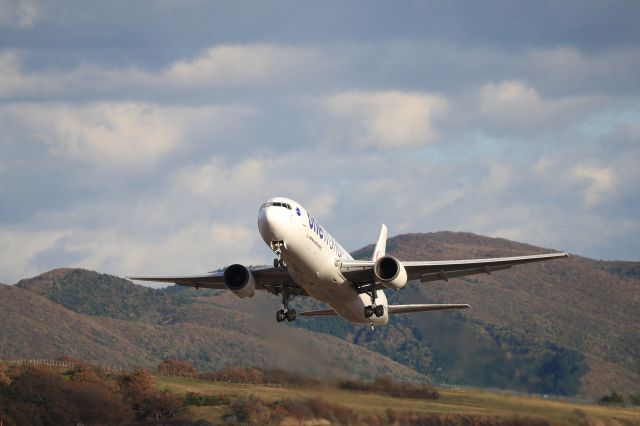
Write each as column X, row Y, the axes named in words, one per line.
column 381, row 245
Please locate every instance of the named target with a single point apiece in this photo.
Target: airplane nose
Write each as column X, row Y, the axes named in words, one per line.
column 262, row 222
column 267, row 224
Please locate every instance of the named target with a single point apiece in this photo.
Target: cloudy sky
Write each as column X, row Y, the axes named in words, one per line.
column 141, row 137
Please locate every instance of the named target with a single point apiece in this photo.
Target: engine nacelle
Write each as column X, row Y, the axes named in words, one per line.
column 390, row 272
column 239, row 280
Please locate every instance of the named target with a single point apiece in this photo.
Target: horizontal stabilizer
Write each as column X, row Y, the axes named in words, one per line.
column 395, row 309
column 319, row 313
column 405, row 309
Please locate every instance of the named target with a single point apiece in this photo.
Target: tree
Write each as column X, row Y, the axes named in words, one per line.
column 612, row 398
column 147, row 403
column 175, row 367
column 40, row 397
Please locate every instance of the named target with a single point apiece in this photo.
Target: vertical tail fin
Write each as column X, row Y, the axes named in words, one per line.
column 381, row 245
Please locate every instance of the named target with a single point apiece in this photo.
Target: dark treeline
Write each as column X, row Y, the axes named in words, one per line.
column 384, row 385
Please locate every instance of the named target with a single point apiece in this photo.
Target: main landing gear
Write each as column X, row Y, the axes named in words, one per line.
column 286, row 313
column 289, row 315
column 373, row 309
column 278, row 262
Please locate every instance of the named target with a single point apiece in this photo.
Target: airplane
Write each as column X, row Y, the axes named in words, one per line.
column 310, row 262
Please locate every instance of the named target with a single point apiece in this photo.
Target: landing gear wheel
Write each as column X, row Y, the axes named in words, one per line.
column 286, row 313
column 291, row 315
column 368, row 311
column 276, row 263
column 379, row 310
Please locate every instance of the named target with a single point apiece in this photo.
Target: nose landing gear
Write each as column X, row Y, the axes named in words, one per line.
column 277, row 247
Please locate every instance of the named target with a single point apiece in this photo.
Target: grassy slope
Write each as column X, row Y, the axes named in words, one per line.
column 452, row 401
column 34, row 327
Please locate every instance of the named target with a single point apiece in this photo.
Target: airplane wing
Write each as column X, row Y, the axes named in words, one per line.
column 361, row 271
column 267, row 278
column 396, row 309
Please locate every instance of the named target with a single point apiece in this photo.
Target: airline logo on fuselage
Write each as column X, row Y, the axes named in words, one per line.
column 315, row 226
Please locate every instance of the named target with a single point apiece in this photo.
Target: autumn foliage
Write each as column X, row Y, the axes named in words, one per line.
column 39, row 396
column 258, row 376
column 175, row 367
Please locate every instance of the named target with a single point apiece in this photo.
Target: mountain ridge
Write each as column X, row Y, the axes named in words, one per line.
column 565, row 326
column 38, row 327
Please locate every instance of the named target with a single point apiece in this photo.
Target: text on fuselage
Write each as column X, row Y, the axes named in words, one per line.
column 315, row 226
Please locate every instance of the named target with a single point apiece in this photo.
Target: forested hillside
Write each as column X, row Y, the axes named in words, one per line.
column 568, row 326
column 565, row 326
column 163, row 325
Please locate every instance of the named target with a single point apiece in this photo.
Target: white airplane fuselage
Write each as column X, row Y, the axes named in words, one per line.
column 310, row 254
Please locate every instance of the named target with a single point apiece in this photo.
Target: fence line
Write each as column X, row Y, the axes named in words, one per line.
column 41, row 362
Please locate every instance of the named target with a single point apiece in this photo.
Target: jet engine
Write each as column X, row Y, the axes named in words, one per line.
column 239, row 280
column 390, row 272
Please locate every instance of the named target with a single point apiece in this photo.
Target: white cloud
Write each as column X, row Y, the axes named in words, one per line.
column 600, row 182
column 219, row 177
column 390, row 119
column 498, row 180
column 322, row 204
column 14, row 82
column 112, row 133
column 197, row 248
column 518, row 107
column 241, row 64
column 256, row 65
column 18, row 248
column 19, row 13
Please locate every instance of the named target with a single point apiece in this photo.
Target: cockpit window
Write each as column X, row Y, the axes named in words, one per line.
column 276, row 204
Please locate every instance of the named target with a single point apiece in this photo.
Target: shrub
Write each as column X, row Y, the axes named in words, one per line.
column 175, row 367
column 259, row 376
column 147, row 403
column 199, row 399
column 384, row 385
column 235, row 375
column 249, row 409
column 612, row 398
column 4, row 378
column 39, row 396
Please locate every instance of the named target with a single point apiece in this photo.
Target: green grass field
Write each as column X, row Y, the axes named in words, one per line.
column 452, row 401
